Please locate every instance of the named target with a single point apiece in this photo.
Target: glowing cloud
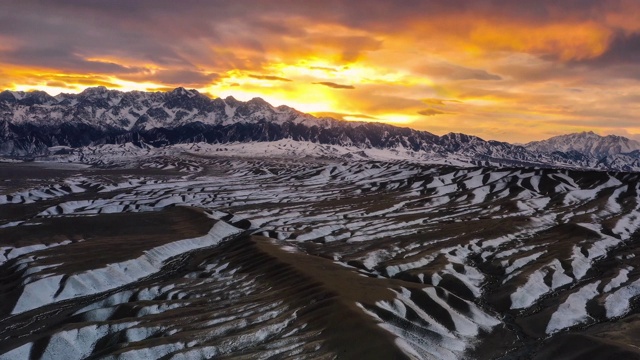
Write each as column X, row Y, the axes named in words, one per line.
column 269, row 77
column 334, row 85
column 431, row 112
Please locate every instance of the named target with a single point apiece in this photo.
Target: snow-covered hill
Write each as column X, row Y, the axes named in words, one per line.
column 252, row 258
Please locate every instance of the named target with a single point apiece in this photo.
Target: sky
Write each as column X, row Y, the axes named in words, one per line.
column 501, row 69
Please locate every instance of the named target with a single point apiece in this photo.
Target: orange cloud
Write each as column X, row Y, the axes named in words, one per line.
column 269, row 77
column 567, row 41
column 431, row 112
column 334, row 85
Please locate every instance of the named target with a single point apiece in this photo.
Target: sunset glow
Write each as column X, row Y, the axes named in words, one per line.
column 502, row 70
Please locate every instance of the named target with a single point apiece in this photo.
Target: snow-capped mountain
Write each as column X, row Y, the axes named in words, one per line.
column 37, row 124
column 586, row 143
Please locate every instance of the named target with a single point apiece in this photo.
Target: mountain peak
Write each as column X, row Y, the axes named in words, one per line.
column 258, row 101
column 37, row 97
column 180, row 91
column 586, row 142
column 97, row 91
column 8, row 96
column 232, row 102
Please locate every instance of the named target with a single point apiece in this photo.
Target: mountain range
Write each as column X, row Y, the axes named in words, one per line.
column 36, row 124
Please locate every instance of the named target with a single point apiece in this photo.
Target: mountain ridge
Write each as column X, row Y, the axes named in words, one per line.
column 586, row 142
column 32, row 123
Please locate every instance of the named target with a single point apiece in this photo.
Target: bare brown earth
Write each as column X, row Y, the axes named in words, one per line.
column 113, row 236
column 323, row 292
column 96, row 242
column 348, row 332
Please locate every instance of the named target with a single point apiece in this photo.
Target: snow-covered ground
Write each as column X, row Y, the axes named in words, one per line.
column 471, row 245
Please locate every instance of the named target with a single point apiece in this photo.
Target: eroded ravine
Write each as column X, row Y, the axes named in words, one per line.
column 427, row 261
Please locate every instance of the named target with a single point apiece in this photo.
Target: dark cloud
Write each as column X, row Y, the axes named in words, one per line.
column 392, row 16
column 431, row 112
column 185, row 77
column 334, row 85
column 619, row 60
column 623, row 49
column 175, row 78
column 344, row 10
column 63, row 58
column 269, row 77
column 66, row 34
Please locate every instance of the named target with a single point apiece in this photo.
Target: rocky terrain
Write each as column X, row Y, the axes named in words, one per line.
column 217, row 256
